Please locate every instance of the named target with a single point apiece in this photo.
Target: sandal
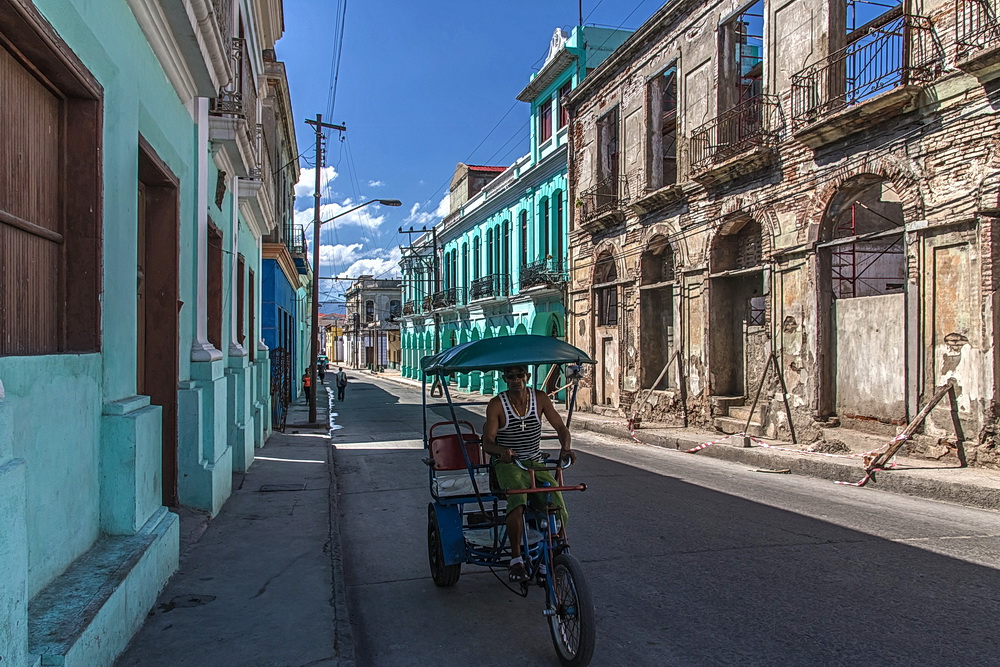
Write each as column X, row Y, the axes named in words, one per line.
column 517, row 573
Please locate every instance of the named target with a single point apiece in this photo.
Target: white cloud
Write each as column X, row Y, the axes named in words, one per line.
column 354, row 260
column 375, row 184
column 307, row 181
column 339, row 255
column 420, row 218
column 366, row 217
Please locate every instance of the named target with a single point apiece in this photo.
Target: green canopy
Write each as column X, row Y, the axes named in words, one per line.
column 492, row 354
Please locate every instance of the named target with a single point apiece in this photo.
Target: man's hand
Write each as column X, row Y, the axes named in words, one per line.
column 507, row 456
column 567, row 455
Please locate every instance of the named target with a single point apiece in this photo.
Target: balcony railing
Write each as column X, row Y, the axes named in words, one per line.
column 409, row 308
column 447, row 298
column 543, row 272
column 976, row 25
column 297, row 240
column 894, row 50
column 490, row 287
column 751, row 124
column 239, row 98
column 607, row 196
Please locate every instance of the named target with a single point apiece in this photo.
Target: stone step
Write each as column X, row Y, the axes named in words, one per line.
column 723, row 403
column 741, row 412
column 730, row 425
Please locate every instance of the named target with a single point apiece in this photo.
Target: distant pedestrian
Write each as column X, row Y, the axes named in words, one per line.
column 307, row 385
column 322, row 373
column 341, row 383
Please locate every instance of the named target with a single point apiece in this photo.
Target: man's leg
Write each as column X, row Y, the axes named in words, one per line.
column 515, row 524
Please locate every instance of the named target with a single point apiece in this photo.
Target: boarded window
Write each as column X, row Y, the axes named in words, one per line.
column 50, row 207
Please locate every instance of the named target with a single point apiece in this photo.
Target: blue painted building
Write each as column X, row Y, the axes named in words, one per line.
column 495, row 265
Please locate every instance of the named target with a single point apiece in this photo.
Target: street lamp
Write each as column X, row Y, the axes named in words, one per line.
column 317, row 225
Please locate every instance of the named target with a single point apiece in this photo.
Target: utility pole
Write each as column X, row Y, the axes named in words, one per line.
column 319, row 126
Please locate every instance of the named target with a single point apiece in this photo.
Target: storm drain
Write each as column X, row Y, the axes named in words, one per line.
column 274, row 488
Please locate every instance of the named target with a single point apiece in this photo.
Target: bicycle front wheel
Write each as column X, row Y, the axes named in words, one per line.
column 572, row 625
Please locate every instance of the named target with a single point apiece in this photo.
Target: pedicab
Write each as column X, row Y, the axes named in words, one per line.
column 466, row 522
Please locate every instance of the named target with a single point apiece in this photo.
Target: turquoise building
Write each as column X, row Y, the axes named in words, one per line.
column 495, row 265
column 138, row 175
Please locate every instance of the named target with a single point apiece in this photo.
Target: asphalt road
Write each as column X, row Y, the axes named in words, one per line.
column 691, row 561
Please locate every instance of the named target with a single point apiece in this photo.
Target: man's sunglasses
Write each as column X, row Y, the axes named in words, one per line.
column 515, row 376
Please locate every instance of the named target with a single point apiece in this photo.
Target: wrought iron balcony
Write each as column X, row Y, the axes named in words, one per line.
column 543, row 272
column 447, row 298
column 239, row 98
column 977, row 27
column 604, row 203
column 895, row 50
column 409, row 308
column 296, row 240
column 751, row 124
column 493, row 286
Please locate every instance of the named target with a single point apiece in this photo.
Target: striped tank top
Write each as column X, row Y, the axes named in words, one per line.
column 522, row 434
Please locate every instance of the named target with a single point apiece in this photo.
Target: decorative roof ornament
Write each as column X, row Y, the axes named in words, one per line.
column 558, row 42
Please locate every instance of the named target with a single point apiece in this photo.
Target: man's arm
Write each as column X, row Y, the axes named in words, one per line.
column 490, row 428
column 549, row 410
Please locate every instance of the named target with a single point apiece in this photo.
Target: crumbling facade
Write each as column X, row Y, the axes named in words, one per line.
column 805, row 186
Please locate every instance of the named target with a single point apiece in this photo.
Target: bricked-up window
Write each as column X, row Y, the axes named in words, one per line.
column 241, row 331
column 606, row 291
column 215, row 255
column 50, row 191
column 661, row 125
column 563, row 109
column 545, row 121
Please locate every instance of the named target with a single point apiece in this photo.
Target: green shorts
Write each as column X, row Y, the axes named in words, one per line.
column 510, row 476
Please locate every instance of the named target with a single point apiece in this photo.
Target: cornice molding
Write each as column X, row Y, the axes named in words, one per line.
column 279, row 253
column 161, row 38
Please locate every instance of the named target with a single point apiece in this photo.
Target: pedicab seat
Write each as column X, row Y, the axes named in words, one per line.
column 450, row 476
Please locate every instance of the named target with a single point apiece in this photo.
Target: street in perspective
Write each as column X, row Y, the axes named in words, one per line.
column 570, row 333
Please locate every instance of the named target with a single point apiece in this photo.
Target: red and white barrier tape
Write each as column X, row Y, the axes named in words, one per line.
column 630, row 425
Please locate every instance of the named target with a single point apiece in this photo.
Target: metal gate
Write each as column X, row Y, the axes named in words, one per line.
column 281, row 387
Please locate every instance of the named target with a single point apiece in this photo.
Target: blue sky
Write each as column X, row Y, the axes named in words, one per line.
column 422, row 86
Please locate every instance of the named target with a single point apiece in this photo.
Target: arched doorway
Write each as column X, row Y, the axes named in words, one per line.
column 656, row 312
column 862, row 303
column 605, row 305
column 739, row 341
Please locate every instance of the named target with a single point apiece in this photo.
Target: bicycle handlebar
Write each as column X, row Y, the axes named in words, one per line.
column 562, row 463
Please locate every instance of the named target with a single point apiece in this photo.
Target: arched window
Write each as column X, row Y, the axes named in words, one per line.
column 543, row 210
column 560, row 229
column 505, row 260
column 658, row 262
column 476, row 249
column 465, row 264
column 490, row 269
column 524, row 238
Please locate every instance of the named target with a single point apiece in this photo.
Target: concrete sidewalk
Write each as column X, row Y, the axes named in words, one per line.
column 945, row 481
column 260, row 584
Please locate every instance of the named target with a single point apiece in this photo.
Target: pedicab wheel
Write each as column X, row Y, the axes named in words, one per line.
column 572, row 627
column 443, row 575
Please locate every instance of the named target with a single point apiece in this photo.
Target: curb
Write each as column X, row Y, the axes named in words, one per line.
column 966, row 494
column 343, row 632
